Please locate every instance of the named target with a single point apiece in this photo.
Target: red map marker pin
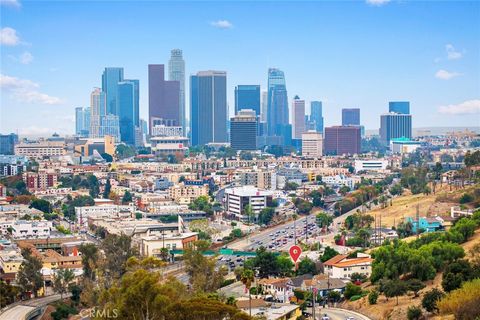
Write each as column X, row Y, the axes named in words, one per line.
column 295, row 252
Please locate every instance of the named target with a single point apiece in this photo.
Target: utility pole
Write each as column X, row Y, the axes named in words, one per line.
column 418, row 221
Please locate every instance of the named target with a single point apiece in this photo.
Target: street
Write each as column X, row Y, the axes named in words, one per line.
column 337, row 314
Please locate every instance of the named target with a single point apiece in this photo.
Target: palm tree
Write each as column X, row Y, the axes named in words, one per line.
column 247, row 279
column 324, row 220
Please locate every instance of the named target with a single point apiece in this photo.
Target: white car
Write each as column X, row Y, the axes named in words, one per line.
column 325, row 317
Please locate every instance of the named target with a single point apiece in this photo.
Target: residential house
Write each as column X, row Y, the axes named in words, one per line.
column 426, row 224
column 342, row 267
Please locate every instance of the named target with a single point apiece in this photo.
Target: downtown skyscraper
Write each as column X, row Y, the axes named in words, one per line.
column 278, row 127
column 247, row 97
column 101, row 123
column 316, row 115
column 110, row 78
column 350, row 117
column 208, row 107
column 402, row 107
column 298, row 117
column 126, row 96
column 163, row 98
column 82, row 121
column 176, row 72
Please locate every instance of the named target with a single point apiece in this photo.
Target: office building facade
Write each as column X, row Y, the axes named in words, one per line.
column 312, row 144
column 395, row 125
column 316, row 115
column 163, row 98
column 7, row 143
column 101, row 123
column 82, row 121
column 341, row 140
column 298, row 117
column 401, row 107
column 277, row 107
column 126, row 111
column 350, row 117
column 208, row 107
column 176, row 72
column 244, row 130
column 247, row 97
column 110, row 79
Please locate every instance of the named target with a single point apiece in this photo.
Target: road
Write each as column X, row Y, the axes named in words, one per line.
column 20, row 309
column 338, row 314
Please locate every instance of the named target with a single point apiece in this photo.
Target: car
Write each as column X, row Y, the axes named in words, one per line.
column 349, row 318
column 325, row 317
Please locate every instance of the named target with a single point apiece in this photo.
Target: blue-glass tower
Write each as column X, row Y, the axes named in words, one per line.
column 401, row 107
column 277, row 107
column 126, row 111
column 316, row 115
column 247, row 97
column 350, row 117
column 110, row 79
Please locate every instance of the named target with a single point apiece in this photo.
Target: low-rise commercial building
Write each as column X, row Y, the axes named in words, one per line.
column 238, row 198
column 371, row 165
column 312, row 144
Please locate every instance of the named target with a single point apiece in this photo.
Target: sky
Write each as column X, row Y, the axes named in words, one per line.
column 345, row 53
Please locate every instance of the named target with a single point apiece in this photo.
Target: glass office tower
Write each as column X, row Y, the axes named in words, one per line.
column 316, row 115
column 402, row 107
column 110, row 79
column 247, row 97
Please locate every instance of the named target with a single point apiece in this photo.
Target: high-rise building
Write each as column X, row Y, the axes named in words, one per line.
column 163, row 98
column 247, row 97
column 102, row 124
column 264, row 107
column 277, row 108
column 350, row 117
column 395, row 125
column 126, row 111
column 7, row 143
column 402, row 107
column 136, row 100
column 110, row 79
column 316, row 115
column 208, row 107
column 176, row 72
column 244, row 130
column 97, row 110
column 312, row 144
column 298, row 117
column 82, row 121
column 341, row 140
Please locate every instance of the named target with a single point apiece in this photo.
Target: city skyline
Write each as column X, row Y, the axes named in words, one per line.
column 435, row 67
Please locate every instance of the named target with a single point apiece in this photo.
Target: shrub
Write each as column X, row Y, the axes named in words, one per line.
column 414, row 313
column 352, row 290
column 372, row 297
column 430, row 299
column 464, row 303
column 356, row 297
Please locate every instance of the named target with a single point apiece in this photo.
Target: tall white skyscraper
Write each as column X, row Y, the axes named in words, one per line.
column 264, row 106
column 101, row 123
column 176, row 72
column 298, row 118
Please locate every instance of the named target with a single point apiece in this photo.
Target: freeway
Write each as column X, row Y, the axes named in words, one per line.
column 20, row 310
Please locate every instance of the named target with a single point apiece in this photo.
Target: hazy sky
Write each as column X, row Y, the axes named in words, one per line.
column 347, row 54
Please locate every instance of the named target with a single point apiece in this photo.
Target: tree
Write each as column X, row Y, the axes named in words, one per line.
column 466, row 227
column 29, row 276
column 290, row 186
column 334, row 295
column 372, row 297
column 266, row 215
column 108, row 158
column 430, row 299
column 8, row 293
column 93, row 185
column 108, row 188
column 456, row 273
column 266, row 262
column 344, row 190
column 395, row 288
column 204, row 276
column 117, row 250
column 61, row 280
column 306, row 266
column 324, row 220
column 328, row 253
column 355, row 277
column 285, row 265
column 414, row 313
column 42, row 205
column 90, row 258
column 247, row 279
column 202, row 203
column 127, row 197
column 352, row 290
column 415, row 285
column 248, row 211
